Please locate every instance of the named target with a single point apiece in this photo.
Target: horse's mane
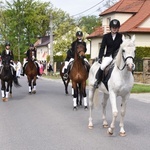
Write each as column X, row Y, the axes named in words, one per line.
column 125, row 43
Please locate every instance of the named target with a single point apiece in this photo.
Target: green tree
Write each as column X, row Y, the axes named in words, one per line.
column 89, row 23
column 64, row 28
column 23, row 21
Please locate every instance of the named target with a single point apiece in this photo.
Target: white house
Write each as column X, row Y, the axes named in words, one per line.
column 134, row 16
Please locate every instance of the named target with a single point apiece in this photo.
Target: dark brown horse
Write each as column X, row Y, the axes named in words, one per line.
column 31, row 72
column 79, row 74
column 7, row 80
column 65, row 81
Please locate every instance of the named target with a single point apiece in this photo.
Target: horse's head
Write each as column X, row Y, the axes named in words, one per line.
column 80, row 50
column 126, row 54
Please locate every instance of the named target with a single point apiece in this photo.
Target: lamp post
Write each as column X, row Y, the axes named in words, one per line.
column 51, row 41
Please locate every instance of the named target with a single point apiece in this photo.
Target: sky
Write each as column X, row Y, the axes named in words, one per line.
column 79, row 8
column 75, row 8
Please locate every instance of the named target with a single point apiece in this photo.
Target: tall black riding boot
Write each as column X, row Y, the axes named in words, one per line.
column 99, row 75
column 65, row 76
column 23, row 69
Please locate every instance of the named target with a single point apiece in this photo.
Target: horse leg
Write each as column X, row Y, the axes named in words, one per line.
column 123, row 111
column 91, row 97
column 34, row 86
column 72, row 91
column 84, row 95
column 79, row 94
column 66, row 88
column 74, row 85
column 3, row 90
column 66, row 85
column 112, row 97
column 30, row 85
column 104, row 104
column 7, row 91
column 10, row 91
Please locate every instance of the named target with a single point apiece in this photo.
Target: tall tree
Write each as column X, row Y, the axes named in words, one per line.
column 23, row 21
column 89, row 23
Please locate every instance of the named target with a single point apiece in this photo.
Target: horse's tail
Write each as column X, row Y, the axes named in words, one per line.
column 16, row 82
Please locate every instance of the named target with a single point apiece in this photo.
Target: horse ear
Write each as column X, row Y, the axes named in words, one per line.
column 123, row 37
column 133, row 38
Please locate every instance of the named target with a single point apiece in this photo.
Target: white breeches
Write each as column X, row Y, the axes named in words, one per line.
column 66, row 64
column 106, row 61
column 35, row 61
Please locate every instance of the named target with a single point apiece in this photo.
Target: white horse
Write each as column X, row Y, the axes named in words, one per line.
column 120, row 83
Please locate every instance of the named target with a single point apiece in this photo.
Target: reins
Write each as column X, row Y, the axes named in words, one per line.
column 125, row 59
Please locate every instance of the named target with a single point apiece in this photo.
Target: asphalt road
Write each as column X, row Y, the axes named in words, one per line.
column 46, row 121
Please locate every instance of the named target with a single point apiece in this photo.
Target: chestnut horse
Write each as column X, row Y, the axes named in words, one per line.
column 65, row 81
column 79, row 74
column 31, row 72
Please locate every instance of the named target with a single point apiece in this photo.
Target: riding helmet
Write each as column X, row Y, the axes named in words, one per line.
column 79, row 33
column 114, row 23
column 31, row 45
column 7, row 44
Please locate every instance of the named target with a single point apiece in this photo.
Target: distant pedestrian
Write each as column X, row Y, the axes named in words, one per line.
column 18, row 69
column 49, row 68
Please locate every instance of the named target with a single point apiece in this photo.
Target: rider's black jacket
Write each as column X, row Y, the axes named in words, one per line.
column 71, row 52
column 112, row 46
column 9, row 56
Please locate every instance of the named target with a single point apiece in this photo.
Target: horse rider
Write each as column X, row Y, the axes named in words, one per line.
column 111, row 41
column 71, row 53
column 8, row 54
column 31, row 48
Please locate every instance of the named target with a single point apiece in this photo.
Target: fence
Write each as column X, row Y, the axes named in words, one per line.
column 142, row 70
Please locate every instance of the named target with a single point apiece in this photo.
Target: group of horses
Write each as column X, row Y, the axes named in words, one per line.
column 7, row 77
column 117, row 82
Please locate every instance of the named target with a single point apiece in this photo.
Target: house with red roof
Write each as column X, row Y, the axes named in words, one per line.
column 134, row 16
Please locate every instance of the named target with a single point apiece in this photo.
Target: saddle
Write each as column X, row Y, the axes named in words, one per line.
column 107, row 73
column 86, row 65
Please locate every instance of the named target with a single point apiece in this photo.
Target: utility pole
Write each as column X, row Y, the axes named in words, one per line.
column 51, row 40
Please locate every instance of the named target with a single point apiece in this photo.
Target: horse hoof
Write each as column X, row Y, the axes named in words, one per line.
column 10, row 95
column 5, row 99
column 105, row 125
column 30, row 93
column 34, row 92
column 122, row 134
column 85, row 108
column 90, row 127
column 74, row 108
column 109, row 131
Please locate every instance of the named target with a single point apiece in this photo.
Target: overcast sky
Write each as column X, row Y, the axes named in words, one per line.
column 78, row 8
column 74, row 8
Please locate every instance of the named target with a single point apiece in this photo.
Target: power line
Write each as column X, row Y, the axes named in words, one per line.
column 87, row 9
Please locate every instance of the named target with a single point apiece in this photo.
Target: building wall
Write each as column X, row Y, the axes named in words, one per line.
column 95, row 46
column 42, row 53
column 142, row 39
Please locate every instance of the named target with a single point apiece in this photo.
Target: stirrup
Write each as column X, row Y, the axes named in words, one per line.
column 22, row 74
column 96, row 84
column 65, row 76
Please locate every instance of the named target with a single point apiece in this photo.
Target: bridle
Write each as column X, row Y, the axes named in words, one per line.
column 125, row 59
